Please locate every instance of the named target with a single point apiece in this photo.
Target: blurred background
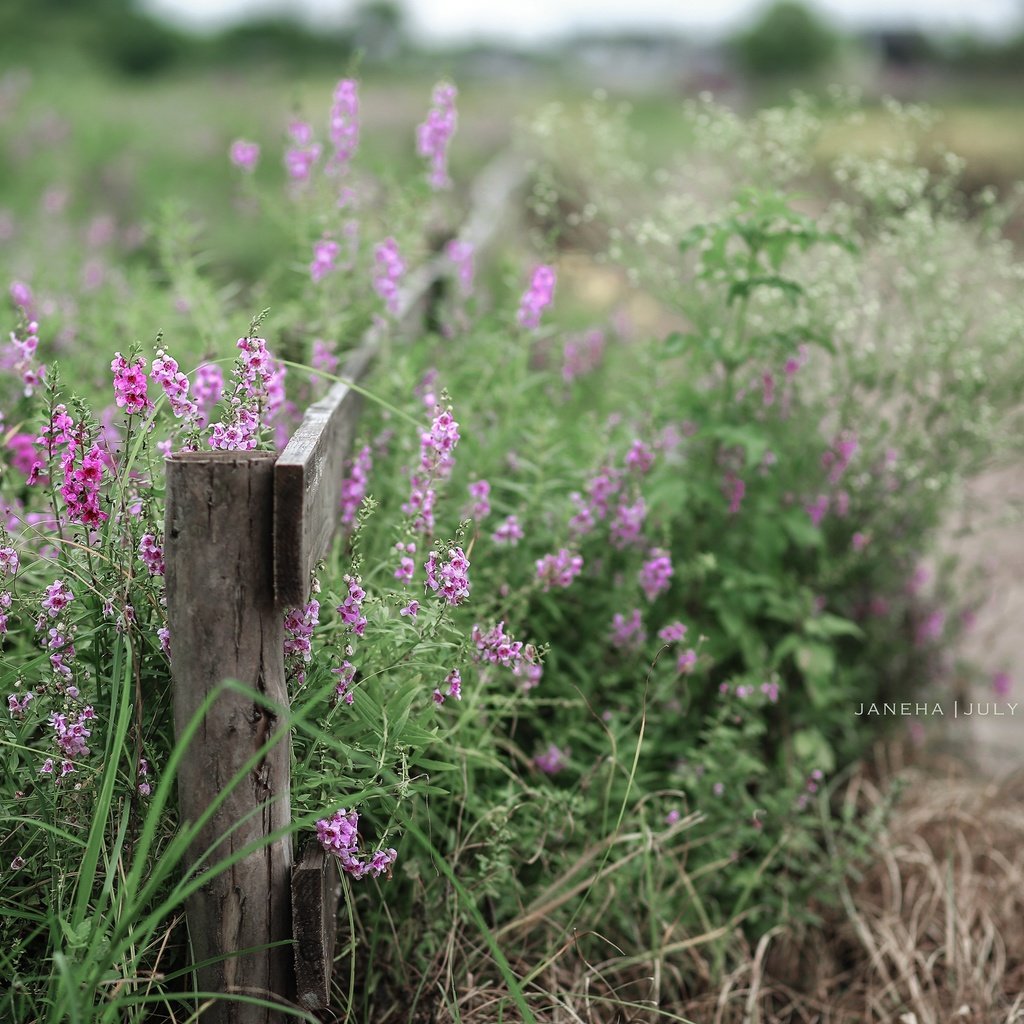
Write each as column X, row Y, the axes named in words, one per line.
column 963, row 56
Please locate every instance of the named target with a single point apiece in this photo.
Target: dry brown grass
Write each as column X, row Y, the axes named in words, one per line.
column 932, row 932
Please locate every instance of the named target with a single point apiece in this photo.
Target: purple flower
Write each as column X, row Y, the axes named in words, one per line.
column 656, row 573
column 435, row 133
column 390, row 268
column 628, row 633
column 552, row 760
column 509, row 532
column 537, row 296
column 343, row 127
column 244, row 155
column 449, row 578
column 351, row 609
column 558, row 570
column 325, row 254
column 461, row 255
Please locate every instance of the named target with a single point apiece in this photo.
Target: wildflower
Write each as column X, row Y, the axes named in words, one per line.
column 142, row 786
column 163, row 634
column 353, row 487
column 299, row 624
column 339, row 835
column 628, row 522
column 343, row 126
column 244, row 155
column 931, row 628
column 771, row 691
column 130, row 384
column 718, row 788
column 71, row 735
column 552, row 760
column 686, row 662
column 836, row 460
column 434, row 134
column 639, row 458
column 859, row 541
column 675, row 632
column 816, row 509
column 454, row 683
column 300, row 158
column 627, row 633
column 58, row 597
column 558, row 570
column 449, row 578
column 152, row 554
column 175, row 385
column 47, row 767
column 17, row 707
column 496, row 646
column 537, row 297
column 350, row 609
column 656, row 573
column 9, row 561
column 672, row 817
column 346, row 673
column 406, row 566
column 411, row 609
column 325, row 253
column 480, row 490
column 390, row 268
column 509, row 532
column 1002, row 684
column 208, row 388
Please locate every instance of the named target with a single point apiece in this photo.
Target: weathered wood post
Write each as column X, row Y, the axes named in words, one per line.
column 226, row 624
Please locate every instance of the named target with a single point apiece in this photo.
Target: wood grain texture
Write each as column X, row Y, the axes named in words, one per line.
column 316, row 890
column 225, row 624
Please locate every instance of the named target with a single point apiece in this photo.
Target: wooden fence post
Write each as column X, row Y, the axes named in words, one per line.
column 225, row 624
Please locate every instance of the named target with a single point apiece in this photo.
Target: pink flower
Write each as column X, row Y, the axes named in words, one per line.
column 343, row 126
column 558, row 570
column 509, row 532
column 449, row 578
column 552, row 760
column 656, row 573
column 435, row 133
column 244, row 155
column 1002, row 684
column 537, row 296
column 130, row 384
column 390, row 268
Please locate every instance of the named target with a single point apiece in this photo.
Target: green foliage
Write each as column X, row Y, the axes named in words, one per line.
column 787, row 39
column 656, row 780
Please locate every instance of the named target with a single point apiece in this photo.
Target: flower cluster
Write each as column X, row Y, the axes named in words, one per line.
column 325, row 255
column 390, row 268
column 300, row 158
column 254, row 373
column 436, row 462
column 353, row 487
column 537, row 296
column 81, row 486
column 58, row 597
column 558, row 570
column 299, row 624
column 627, row 634
column 454, row 683
column 244, row 155
column 628, row 522
column 351, row 609
column 343, row 123
column 406, row 566
column 175, row 385
column 71, row 735
column 656, row 573
column 836, row 460
column 509, row 532
column 24, row 349
column 339, row 834
column 130, row 383
column 480, row 490
column 18, row 706
column 434, row 134
column 552, row 760
column 449, row 578
column 151, row 554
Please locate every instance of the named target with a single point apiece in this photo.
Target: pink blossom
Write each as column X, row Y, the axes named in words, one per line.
column 537, row 296
column 244, row 155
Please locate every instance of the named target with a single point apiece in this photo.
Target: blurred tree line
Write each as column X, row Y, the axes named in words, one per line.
column 121, row 37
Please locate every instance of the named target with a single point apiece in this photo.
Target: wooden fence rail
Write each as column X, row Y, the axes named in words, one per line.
column 243, row 532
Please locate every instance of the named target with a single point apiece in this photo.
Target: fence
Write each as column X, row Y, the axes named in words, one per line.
column 243, row 532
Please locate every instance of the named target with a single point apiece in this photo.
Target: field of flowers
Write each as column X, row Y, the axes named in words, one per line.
column 573, row 699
